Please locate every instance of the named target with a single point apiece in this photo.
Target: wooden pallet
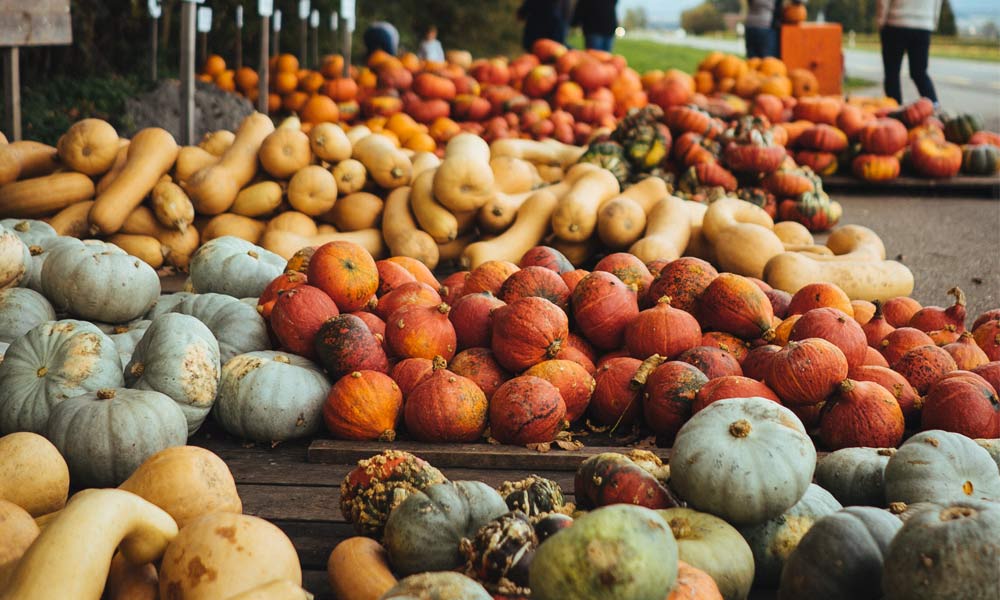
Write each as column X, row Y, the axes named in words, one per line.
column 963, row 185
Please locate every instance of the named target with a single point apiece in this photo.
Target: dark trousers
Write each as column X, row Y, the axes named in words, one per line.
column 598, row 41
column 761, row 42
column 916, row 45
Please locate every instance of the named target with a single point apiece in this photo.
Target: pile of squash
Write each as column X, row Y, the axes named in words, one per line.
column 915, row 522
column 172, row 528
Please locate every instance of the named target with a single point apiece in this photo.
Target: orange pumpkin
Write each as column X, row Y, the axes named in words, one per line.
column 428, row 85
column 341, row 89
column 816, row 109
column 935, row 158
column 883, row 136
column 875, row 167
column 214, row 65
column 297, row 316
column 445, row 407
column 416, row 331
column 319, row 109
column 794, row 13
column 363, row 406
column 346, row 272
column 804, row 83
column 778, row 85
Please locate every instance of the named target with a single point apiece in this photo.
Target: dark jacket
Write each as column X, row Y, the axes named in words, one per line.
column 542, row 19
column 596, row 16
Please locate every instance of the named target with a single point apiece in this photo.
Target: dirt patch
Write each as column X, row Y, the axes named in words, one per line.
column 214, row 109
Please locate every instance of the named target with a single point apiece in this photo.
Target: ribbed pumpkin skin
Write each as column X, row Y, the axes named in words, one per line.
column 712, row 361
column 446, row 407
column 279, row 285
column 235, row 324
column 235, row 267
column 967, row 353
column 615, row 399
column 298, row 315
column 807, row 372
column 421, row 332
column 390, row 276
column 924, row 366
column 471, row 315
column 479, row 365
column 364, row 405
column 346, row 272
column 421, row 584
column 883, row 136
column 668, row 396
column 545, row 256
column 526, row 410
column 489, row 277
column 574, row 383
column 662, row 330
column 535, row 281
column 945, row 551
column 409, row 372
column 693, row 584
column 855, row 476
column 735, row 305
column 627, row 267
column 21, row 310
column 726, row 342
column 962, row 402
column 731, row 386
column 861, row 414
column 613, row 478
column 900, row 341
column 715, row 546
column 987, row 336
column 834, row 326
column 683, row 280
column 907, row 398
column 345, row 344
column 758, row 361
column 940, row 466
column 406, row 294
column 527, row 332
column 602, row 307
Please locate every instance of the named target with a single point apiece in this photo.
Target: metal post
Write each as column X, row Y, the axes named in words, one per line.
column 188, row 11
column 263, row 70
column 345, row 45
column 304, row 42
column 276, row 50
column 154, row 60
column 314, row 26
column 239, row 37
column 12, row 91
column 202, row 47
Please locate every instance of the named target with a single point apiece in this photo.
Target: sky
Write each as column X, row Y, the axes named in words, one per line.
column 670, row 10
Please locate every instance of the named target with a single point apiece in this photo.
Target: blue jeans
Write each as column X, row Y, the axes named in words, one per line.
column 761, row 42
column 598, row 41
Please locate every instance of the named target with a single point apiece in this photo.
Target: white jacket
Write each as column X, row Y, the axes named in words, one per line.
column 911, row 14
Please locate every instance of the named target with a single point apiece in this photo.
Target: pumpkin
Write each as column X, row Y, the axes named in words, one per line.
column 179, row 357
column 712, row 361
column 617, row 400
column 861, row 413
column 230, row 265
column 987, row 336
column 489, row 277
column 907, row 398
column 548, row 257
column 526, row 410
column 934, row 158
column 236, row 325
column 823, row 138
column 409, row 372
column 281, row 284
column 959, row 128
column 476, row 364
column 714, row 462
column 364, row 405
column 345, row 343
column 33, row 474
column 714, row 546
column 840, row 557
column 693, row 583
column 346, row 272
column 855, row 476
column 416, row 331
column 618, row 552
column 683, row 280
column 899, row 310
column 735, row 305
column 900, row 341
column 223, row 544
column 924, row 366
column 806, row 372
column 934, row 318
column 424, row 530
column 963, row 403
column 298, row 316
column 730, row 386
column 501, row 551
column 21, row 310
column 662, row 330
column 445, row 407
column 535, row 281
column 944, row 551
column 939, row 466
column 612, row 478
column 354, row 556
column 440, row 585
column 257, row 403
column 575, row 384
column 123, row 428
column 530, row 330
column 980, row 159
column 990, row 372
column 877, row 327
column 411, row 292
column 821, row 163
column 993, row 447
column 883, row 136
column 99, row 282
column 32, row 232
column 534, row 496
column 54, row 361
column 773, row 541
column 726, row 342
column 758, row 361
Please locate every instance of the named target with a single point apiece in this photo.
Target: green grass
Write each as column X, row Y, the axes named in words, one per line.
column 941, row 46
column 644, row 55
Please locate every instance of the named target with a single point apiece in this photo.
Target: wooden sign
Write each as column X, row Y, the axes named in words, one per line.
column 35, row 23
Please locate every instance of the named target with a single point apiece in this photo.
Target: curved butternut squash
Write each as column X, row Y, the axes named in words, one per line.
column 432, row 217
column 622, row 220
column 546, row 152
column 17, row 532
column 453, row 250
column 424, row 161
column 860, row 278
column 294, row 222
column 43, row 196
column 121, row 157
column 329, row 142
column 172, row 206
column 258, row 199
column 80, row 543
column 528, row 230
column 213, row 189
column 72, row 221
column 356, row 211
column 358, row 568
column 284, row 151
column 150, row 155
column 33, row 475
column 217, row 142
column 357, row 133
column 23, row 160
column 575, row 218
column 142, row 221
column 741, row 235
column 497, row 214
column 234, row 225
column 190, row 160
column 131, row 582
column 551, row 173
column 384, row 162
column 514, row 175
column 698, row 244
column 668, row 229
column 350, row 176
column 89, row 146
column 177, row 246
column 401, row 233
column 312, row 190
column 464, row 181
column 279, row 589
column 286, row 243
column 793, row 232
column 144, row 247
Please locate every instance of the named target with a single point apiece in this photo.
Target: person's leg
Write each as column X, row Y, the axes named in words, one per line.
column 917, row 51
column 754, row 37
column 774, row 43
column 607, row 43
column 590, row 40
column 892, row 61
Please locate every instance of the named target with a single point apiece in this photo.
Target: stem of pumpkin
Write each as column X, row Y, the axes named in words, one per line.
column 642, row 373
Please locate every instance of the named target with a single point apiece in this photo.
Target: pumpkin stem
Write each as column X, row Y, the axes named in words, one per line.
column 878, row 309
column 887, row 452
column 252, row 254
column 42, row 371
column 740, row 429
column 954, row 513
column 642, row 373
column 958, row 294
column 897, row 508
column 439, row 363
column 554, row 348
column 768, row 335
column 387, row 436
column 281, row 358
column 137, row 369
column 35, row 250
column 664, row 300
column 22, row 226
column 846, row 386
column 105, row 394
column 443, row 308
column 681, row 528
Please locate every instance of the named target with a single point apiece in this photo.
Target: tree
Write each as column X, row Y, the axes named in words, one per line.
column 727, row 6
column 702, row 19
column 636, row 18
column 946, row 25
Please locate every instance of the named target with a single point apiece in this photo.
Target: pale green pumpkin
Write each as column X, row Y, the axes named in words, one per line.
column 940, row 466
column 31, row 231
column 54, row 361
column 855, row 476
column 993, row 448
column 166, row 303
column 708, row 543
column 178, row 356
column 441, row 585
column 233, row 266
column 14, row 258
column 21, row 310
column 237, row 326
column 126, row 337
column 41, row 252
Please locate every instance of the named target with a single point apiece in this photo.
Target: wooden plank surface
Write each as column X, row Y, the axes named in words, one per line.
column 35, row 23
column 962, row 184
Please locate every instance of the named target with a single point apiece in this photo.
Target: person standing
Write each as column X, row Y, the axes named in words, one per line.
column 430, row 47
column 761, row 28
column 598, row 19
column 381, row 35
column 905, row 27
column 542, row 20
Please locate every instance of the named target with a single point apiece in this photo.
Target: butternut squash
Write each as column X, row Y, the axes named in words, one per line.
column 284, row 151
column 217, row 142
column 286, row 243
column 497, row 214
column 547, row 152
column 23, row 160
column 528, row 230
column 329, row 142
column 325, row 228
column 89, row 146
column 464, row 181
column 357, row 133
column 172, row 206
column 293, row 222
column 279, row 589
column 72, row 557
column 350, row 175
column 72, row 221
column 453, row 250
column 144, row 247
column 402, row 235
column 793, row 233
column 213, row 189
column 360, row 210
column 358, row 568
column 43, row 196
column 861, row 278
column 424, row 161
column 131, row 582
column 855, row 242
column 383, row 161
column 578, row 253
column 741, row 236
column 514, row 175
column 432, row 217
column 190, row 160
column 622, row 220
column 150, row 155
column 177, row 246
column 17, row 532
column 668, row 229
column 258, row 200
column 33, row 475
column 312, row 190
column 551, row 173
column 234, row 225
column 575, row 218
column 121, row 157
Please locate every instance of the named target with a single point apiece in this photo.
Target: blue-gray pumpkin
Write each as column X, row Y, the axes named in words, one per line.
column 126, row 337
column 166, row 303
column 855, row 476
column 940, row 466
column 54, row 361
column 708, row 543
column 271, row 396
column 105, row 435
column 40, row 253
column 992, row 447
column 178, row 356
column 237, row 326
column 21, row 310
column 442, row 585
column 233, row 266
column 33, row 233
